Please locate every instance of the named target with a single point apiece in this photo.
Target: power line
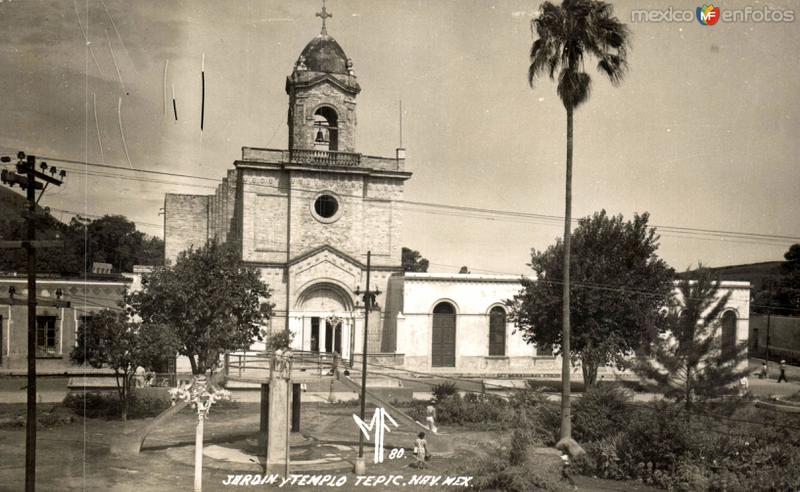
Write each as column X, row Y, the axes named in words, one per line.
column 83, row 214
column 679, row 231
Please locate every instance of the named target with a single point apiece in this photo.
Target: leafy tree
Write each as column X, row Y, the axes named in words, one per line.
column 211, row 302
column 567, row 35
column 688, row 364
column 622, row 287
column 109, row 239
column 782, row 296
column 280, row 340
column 13, row 227
column 114, row 239
column 413, row 261
column 109, row 339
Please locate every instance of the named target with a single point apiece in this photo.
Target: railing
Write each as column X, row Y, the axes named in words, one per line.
column 46, row 351
column 324, row 158
column 258, row 364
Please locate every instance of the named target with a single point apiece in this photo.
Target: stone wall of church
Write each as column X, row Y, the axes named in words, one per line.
column 264, row 201
column 186, row 221
column 345, row 233
column 229, row 229
column 275, row 210
column 383, row 219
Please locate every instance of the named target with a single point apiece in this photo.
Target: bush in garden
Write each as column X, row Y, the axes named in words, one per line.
column 472, row 408
column 417, row 411
column 549, row 421
column 443, row 390
column 657, row 437
column 527, row 398
column 521, row 439
column 601, row 412
column 602, row 459
column 279, row 340
column 495, row 471
column 107, row 406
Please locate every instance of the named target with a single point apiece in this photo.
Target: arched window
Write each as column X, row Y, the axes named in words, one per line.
column 326, row 129
column 497, row 331
column 728, row 335
column 443, row 339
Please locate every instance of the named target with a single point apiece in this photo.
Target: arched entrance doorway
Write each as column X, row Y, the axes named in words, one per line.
column 443, row 345
column 325, row 319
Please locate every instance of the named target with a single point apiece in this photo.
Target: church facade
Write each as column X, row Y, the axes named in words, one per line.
column 306, row 217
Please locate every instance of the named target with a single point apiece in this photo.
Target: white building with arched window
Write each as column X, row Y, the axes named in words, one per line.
column 457, row 323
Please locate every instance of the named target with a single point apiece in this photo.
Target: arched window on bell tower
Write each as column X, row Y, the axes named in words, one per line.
column 326, row 129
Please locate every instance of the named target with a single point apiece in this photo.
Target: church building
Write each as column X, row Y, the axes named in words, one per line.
column 306, row 216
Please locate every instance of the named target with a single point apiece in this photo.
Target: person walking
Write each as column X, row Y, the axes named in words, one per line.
column 763, row 374
column 430, row 417
column 782, row 375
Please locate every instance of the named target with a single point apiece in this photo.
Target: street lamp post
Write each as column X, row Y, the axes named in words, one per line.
column 369, row 303
column 198, row 395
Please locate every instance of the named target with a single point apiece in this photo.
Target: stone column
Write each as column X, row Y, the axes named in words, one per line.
column 323, row 324
column 264, row 422
column 278, row 422
column 296, row 402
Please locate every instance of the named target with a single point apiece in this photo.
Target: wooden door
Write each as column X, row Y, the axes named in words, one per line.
column 443, row 349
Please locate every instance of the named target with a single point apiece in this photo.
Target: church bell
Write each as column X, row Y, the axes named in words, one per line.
column 320, row 137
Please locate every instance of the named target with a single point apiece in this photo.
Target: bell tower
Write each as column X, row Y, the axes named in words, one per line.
column 322, row 93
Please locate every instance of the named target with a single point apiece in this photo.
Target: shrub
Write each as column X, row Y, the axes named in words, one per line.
column 417, row 411
column 601, row 412
column 521, row 438
column 279, row 340
column 602, row 459
column 549, row 419
column 528, row 398
column 53, row 419
column 659, row 434
column 107, row 406
column 443, row 390
column 472, row 408
column 46, row 420
column 496, row 472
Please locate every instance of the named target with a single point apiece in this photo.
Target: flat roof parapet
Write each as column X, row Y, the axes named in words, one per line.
column 322, row 158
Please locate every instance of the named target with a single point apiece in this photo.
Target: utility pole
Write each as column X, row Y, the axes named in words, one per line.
column 27, row 176
column 369, row 303
column 768, row 313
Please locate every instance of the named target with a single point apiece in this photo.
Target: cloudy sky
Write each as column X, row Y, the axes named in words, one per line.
column 703, row 133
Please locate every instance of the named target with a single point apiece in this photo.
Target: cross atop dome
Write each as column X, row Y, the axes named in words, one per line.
column 324, row 15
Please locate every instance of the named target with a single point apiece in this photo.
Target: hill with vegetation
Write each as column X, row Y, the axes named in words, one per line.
column 108, row 239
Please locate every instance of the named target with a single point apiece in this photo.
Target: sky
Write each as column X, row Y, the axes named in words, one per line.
column 702, row 133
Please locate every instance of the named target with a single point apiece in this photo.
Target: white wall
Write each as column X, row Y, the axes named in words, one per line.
column 473, row 296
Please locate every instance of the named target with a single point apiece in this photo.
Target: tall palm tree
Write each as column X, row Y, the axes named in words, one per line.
column 567, row 34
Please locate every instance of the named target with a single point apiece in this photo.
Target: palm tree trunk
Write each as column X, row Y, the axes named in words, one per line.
column 566, row 422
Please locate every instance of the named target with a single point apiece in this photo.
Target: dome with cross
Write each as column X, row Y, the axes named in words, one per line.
column 323, row 54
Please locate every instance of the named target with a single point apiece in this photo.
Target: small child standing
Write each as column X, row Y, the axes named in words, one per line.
column 782, row 375
column 421, row 450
